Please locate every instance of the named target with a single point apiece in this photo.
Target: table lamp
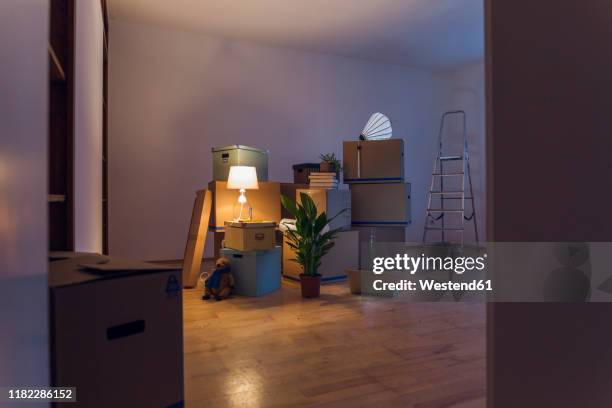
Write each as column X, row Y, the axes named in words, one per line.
column 242, row 178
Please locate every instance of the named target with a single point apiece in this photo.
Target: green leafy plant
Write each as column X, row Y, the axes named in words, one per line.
column 332, row 160
column 307, row 240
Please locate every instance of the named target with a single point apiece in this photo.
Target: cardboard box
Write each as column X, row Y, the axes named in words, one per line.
column 288, row 189
column 265, row 202
column 219, row 240
column 301, row 172
column 196, row 240
column 380, row 204
column 332, row 202
column 342, row 257
column 373, row 161
column 381, row 234
column 250, row 236
column 239, row 155
column 255, row 273
column 116, row 336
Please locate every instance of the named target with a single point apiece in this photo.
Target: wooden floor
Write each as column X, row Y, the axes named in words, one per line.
column 339, row 350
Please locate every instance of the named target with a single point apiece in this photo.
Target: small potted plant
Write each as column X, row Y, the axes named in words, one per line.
column 309, row 240
column 330, row 163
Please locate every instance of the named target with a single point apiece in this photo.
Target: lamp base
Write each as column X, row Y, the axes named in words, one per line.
column 242, row 210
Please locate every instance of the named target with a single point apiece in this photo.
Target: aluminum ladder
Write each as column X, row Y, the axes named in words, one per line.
column 440, row 216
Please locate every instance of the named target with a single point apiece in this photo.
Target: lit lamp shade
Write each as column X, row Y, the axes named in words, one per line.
column 242, row 178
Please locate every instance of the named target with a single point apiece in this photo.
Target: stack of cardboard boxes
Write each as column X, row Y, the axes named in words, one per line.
column 380, row 199
column 345, row 253
column 374, row 209
column 265, row 202
column 251, row 247
column 254, row 257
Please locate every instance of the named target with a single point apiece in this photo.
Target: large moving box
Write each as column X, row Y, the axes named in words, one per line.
column 255, row 273
column 265, row 202
column 373, row 161
column 342, row 257
column 380, row 204
column 332, row 202
column 239, row 155
column 117, row 336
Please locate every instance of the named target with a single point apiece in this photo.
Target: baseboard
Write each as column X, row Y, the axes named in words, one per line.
column 326, row 279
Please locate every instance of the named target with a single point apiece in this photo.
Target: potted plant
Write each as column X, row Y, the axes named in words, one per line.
column 330, row 163
column 309, row 240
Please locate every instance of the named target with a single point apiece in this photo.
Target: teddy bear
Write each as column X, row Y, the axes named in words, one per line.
column 221, row 282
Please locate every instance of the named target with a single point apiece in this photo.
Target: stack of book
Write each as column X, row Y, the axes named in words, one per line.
column 323, row 180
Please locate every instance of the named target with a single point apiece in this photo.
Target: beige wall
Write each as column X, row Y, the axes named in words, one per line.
column 175, row 95
column 88, row 126
column 23, row 193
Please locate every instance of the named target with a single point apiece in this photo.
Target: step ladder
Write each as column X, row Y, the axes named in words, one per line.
column 450, row 170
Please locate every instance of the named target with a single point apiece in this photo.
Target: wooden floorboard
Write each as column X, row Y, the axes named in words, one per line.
column 339, row 350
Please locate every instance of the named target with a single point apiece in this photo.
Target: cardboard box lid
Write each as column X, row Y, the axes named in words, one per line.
column 239, row 147
column 71, row 271
column 250, row 224
column 302, row 166
column 61, row 255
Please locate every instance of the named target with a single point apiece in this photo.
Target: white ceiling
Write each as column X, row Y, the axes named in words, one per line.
column 437, row 34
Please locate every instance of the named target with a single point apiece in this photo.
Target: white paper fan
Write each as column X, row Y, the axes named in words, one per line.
column 377, row 128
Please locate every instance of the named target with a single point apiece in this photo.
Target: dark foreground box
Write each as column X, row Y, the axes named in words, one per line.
column 117, row 336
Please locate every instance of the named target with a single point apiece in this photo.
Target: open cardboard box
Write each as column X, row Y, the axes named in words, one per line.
column 265, row 203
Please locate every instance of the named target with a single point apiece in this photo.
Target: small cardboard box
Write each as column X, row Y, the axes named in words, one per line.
column 332, row 202
column 342, row 257
column 288, row 190
column 219, row 240
column 255, row 273
column 250, row 236
column 373, row 161
column 302, row 170
column 117, row 336
column 380, row 204
column 265, row 203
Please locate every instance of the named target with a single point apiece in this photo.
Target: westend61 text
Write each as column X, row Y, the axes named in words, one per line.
column 433, row 285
